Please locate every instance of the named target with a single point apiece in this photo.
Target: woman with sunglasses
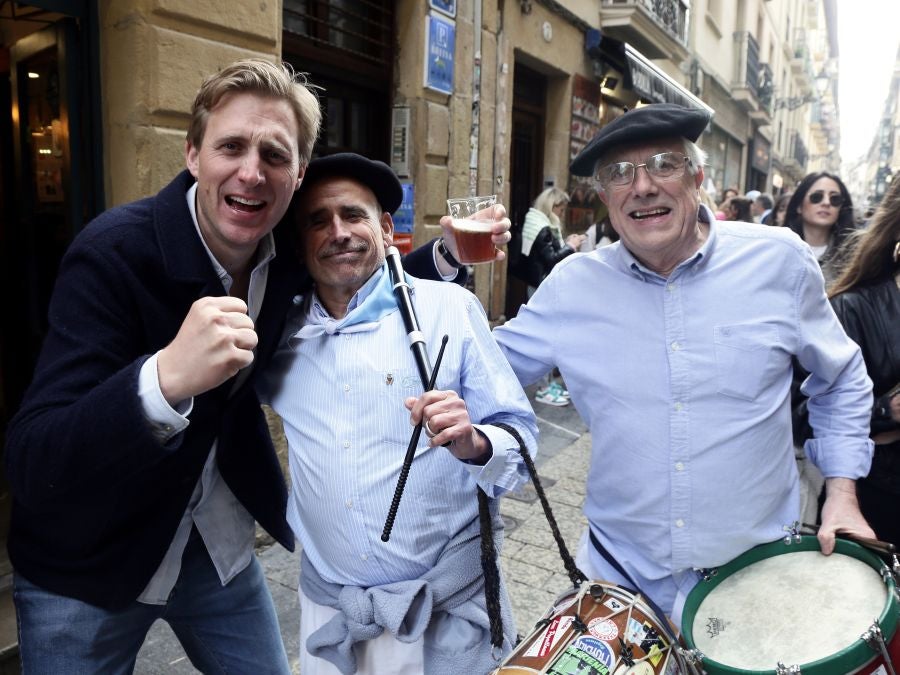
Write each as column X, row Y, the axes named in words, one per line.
column 866, row 298
column 821, row 212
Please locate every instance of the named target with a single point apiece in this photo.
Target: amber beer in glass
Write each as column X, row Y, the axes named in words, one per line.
column 473, row 218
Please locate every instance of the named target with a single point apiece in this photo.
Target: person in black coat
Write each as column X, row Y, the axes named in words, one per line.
column 140, row 458
column 542, row 241
column 866, row 298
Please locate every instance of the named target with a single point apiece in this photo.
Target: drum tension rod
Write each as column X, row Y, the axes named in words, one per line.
column 693, row 658
column 875, row 639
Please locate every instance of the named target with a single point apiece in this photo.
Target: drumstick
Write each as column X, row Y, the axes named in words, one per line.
column 410, row 452
column 885, row 547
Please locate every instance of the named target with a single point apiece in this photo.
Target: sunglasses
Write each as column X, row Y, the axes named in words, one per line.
column 819, row 195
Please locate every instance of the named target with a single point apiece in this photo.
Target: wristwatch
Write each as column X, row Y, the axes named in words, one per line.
column 444, row 252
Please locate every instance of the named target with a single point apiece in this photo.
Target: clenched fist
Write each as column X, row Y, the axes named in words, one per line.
column 215, row 341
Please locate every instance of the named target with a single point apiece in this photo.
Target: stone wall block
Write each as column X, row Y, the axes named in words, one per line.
column 437, row 141
column 436, row 176
column 182, row 62
column 254, row 18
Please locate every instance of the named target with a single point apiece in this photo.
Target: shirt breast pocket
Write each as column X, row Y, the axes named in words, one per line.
column 746, row 358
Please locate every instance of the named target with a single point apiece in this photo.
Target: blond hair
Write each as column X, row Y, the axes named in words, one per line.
column 261, row 77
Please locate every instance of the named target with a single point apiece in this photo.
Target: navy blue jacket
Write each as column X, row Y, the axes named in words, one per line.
column 96, row 498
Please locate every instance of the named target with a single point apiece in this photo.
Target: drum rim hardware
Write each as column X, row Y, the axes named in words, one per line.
column 874, row 637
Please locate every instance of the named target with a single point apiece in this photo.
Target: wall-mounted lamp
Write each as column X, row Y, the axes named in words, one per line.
column 33, row 75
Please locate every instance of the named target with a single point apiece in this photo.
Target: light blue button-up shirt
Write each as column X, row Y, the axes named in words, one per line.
column 341, row 395
column 685, row 384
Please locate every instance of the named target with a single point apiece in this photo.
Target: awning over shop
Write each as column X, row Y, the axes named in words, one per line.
column 642, row 76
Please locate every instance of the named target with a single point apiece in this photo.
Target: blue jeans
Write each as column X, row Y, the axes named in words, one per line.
column 230, row 628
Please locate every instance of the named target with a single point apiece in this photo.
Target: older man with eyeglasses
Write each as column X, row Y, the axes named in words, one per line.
column 676, row 345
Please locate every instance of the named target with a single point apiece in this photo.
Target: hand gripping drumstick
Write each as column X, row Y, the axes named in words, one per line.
column 410, row 453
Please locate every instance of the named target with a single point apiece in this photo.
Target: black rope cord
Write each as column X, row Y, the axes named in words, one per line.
column 576, row 576
column 489, row 565
column 491, row 570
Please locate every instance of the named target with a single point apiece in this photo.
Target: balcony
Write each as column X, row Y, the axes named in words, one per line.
column 657, row 28
column 764, row 95
column 745, row 87
column 797, row 156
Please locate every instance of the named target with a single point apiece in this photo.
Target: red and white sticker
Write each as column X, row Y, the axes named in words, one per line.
column 551, row 635
column 603, row 629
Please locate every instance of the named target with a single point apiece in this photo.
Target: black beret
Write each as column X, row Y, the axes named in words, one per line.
column 375, row 175
column 647, row 123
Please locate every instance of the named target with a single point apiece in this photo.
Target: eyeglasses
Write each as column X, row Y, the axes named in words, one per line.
column 819, row 195
column 663, row 167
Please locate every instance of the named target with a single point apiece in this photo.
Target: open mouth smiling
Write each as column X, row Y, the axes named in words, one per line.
column 244, row 204
column 642, row 214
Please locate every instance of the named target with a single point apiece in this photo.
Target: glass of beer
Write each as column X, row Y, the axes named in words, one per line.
column 473, row 218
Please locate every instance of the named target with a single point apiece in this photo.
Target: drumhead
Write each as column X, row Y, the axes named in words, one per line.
column 790, row 604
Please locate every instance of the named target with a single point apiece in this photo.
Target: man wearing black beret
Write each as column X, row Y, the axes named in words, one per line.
column 346, row 386
column 675, row 344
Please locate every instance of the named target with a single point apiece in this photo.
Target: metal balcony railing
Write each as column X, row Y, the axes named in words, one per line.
column 765, row 87
column 798, row 150
column 671, row 15
column 747, row 73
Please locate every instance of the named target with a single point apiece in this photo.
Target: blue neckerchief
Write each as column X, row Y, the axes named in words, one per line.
column 374, row 301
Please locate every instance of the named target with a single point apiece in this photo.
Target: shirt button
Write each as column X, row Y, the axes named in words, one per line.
column 679, row 523
column 679, row 466
column 670, row 288
column 349, row 503
column 676, row 346
column 363, row 557
column 346, row 336
column 678, row 406
column 346, row 444
column 346, row 387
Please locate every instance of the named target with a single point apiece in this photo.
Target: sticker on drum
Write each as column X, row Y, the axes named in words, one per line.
column 603, row 629
column 551, row 635
column 585, row 656
column 789, row 604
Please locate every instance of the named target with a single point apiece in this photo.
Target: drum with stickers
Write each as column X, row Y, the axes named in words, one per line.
column 786, row 608
column 597, row 629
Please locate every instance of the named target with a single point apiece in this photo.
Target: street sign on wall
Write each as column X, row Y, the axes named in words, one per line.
column 440, row 44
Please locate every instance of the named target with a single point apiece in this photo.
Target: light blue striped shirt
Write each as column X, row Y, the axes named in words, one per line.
column 685, row 385
column 341, row 400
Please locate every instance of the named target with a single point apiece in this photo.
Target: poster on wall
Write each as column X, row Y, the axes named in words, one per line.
column 447, row 7
column 584, row 206
column 404, row 219
column 440, row 44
